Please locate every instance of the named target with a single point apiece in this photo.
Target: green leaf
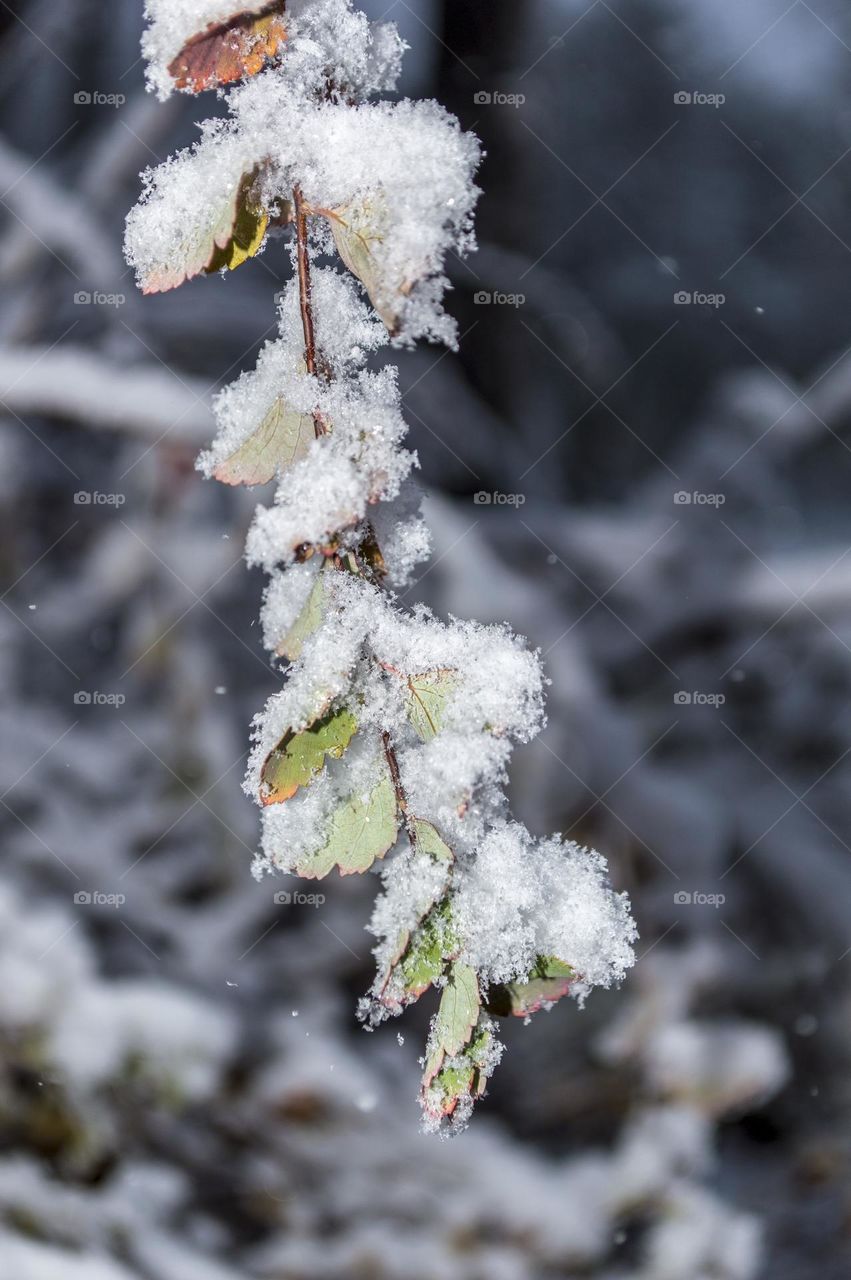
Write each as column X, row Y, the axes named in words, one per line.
column 432, row 945
column 223, row 235
column 549, row 980
column 459, row 1010
column 362, row 829
column 430, row 841
column 423, row 950
column 283, row 437
column 358, row 229
column 456, row 1017
column 308, row 621
column 299, row 756
column 463, row 1076
column 426, row 696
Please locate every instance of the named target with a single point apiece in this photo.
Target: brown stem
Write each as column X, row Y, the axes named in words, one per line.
column 313, row 364
column 401, row 798
column 305, row 298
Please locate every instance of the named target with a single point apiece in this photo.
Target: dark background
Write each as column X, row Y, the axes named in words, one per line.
column 699, row 653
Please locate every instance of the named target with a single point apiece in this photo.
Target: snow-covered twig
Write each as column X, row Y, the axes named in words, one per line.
column 389, row 720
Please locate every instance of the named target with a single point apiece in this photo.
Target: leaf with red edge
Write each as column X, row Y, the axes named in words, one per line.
column 282, row 438
column 549, row 981
column 227, row 51
column 224, row 236
column 461, row 1080
column 298, row 757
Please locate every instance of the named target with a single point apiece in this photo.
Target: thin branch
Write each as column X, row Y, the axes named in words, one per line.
column 305, row 296
column 314, row 364
column 401, row 797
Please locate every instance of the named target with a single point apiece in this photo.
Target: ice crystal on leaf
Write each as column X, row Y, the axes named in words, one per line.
column 388, row 744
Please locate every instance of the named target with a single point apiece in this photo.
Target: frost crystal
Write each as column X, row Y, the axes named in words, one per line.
column 389, row 742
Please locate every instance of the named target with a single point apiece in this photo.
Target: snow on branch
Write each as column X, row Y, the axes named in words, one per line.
column 75, row 384
column 389, row 742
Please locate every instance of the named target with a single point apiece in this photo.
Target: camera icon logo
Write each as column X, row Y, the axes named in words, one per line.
column 82, row 98
column 83, row 898
column 82, row 298
column 482, row 498
column 82, row 698
column 482, row 298
column 682, row 699
column 82, row 499
column 682, row 898
column 682, row 498
column 482, row 98
column 682, row 299
column 283, row 898
column 682, row 98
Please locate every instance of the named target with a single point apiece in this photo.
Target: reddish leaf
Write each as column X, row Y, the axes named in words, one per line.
column 228, row 51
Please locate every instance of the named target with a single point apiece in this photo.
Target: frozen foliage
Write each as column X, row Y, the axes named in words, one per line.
column 172, row 23
column 393, row 182
column 368, row 54
column 523, row 898
column 188, row 203
column 400, row 174
column 392, row 727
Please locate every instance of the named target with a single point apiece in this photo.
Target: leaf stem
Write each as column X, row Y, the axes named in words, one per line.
column 401, row 798
column 305, row 296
